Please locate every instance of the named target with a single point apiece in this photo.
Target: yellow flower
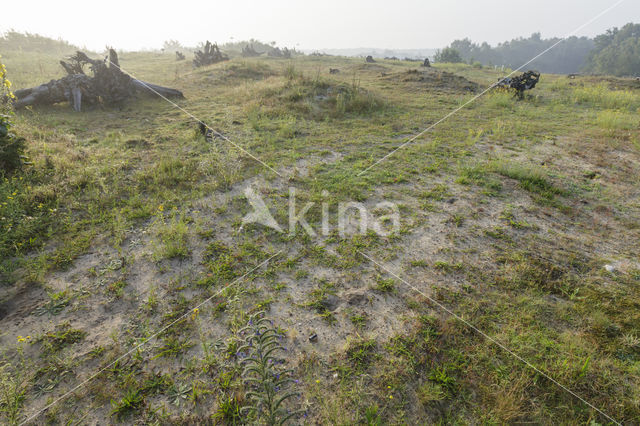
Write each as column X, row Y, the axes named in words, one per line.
column 161, row 207
column 9, row 197
column 317, row 381
column 194, row 315
column 21, row 339
column 390, row 396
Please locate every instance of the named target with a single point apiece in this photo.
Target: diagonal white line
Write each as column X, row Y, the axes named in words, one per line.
column 146, row 340
column 197, row 119
column 491, row 339
column 446, row 117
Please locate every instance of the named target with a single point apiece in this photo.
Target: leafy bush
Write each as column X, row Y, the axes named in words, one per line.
column 11, row 146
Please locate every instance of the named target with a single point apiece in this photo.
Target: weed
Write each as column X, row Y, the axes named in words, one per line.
column 56, row 304
column 530, row 179
column 132, row 400
column 173, row 237
column 264, row 372
column 602, row 96
column 228, row 410
column 385, row 285
column 361, row 353
column 358, row 320
column 448, row 267
column 116, row 289
column 61, row 337
column 12, row 394
column 319, row 300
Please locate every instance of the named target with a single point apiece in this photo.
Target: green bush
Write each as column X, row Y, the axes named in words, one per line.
column 11, row 146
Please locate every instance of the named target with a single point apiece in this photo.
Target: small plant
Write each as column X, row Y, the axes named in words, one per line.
column 116, row 289
column 11, row 396
column 358, row 320
column 385, row 285
column 361, row 353
column 56, row 304
column 173, row 235
column 131, row 401
column 60, row 338
column 319, row 300
column 264, row 372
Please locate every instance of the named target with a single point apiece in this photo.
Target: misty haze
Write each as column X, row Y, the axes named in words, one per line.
column 346, row 213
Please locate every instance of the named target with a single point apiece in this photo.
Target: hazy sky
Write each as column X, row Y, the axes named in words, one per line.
column 309, row 25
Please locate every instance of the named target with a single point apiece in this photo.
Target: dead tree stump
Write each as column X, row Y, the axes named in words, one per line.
column 210, row 54
column 109, row 84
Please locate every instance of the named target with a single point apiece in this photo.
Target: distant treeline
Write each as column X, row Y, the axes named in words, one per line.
column 231, row 48
column 27, row 42
column 616, row 52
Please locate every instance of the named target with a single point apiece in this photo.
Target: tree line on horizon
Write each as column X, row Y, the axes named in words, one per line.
column 615, row 52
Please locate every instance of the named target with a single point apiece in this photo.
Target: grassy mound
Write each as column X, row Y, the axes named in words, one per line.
column 319, row 99
column 433, row 79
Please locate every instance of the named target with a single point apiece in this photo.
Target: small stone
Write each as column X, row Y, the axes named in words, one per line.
column 451, row 200
column 609, row 268
column 313, row 338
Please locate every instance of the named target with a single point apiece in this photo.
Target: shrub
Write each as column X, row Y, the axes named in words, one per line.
column 11, row 146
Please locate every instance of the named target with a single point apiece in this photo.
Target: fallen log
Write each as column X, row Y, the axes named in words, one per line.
column 109, row 85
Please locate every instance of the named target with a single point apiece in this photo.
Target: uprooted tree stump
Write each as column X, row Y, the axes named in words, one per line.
column 279, row 53
column 108, row 85
column 210, row 54
column 249, row 52
column 179, row 56
column 520, row 83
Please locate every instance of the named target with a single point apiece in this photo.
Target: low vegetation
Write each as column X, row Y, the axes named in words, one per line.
column 124, row 257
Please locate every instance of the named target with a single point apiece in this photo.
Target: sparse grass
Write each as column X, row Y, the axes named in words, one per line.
column 63, row 335
column 500, row 99
column 139, row 184
column 616, row 120
column 529, row 179
column 173, row 235
column 319, row 300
